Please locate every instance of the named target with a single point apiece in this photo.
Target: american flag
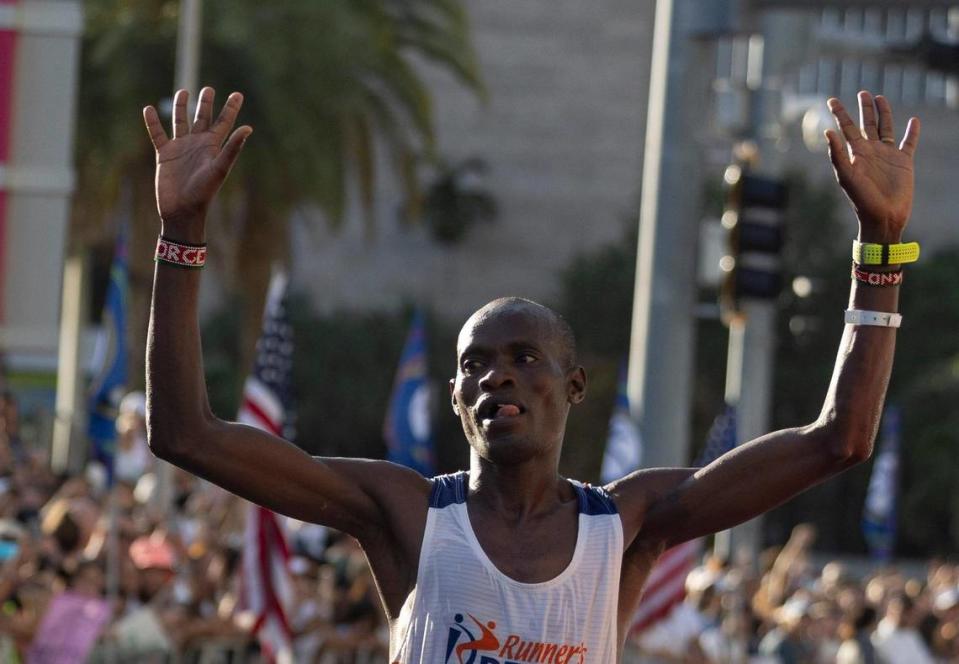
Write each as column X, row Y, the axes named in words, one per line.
column 267, row 398
column 666, row 585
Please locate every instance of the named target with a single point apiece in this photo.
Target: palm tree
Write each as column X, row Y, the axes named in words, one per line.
column 325, row 82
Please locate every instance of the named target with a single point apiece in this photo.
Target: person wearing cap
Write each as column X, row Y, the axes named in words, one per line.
column 133, row 456
column 511, row 557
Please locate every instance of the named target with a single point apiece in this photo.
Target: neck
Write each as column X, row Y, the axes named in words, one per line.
column 517, row 491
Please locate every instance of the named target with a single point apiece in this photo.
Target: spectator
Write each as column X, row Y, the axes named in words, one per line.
column 896, row 638
column 133, row 456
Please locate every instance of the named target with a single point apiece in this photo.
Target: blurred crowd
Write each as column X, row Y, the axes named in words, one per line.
column 167, row 576
column 791, row 611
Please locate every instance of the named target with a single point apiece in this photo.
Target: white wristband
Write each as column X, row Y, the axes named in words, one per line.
column 877, row 318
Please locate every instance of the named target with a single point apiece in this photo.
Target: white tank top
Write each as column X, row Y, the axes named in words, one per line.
column 463, row 610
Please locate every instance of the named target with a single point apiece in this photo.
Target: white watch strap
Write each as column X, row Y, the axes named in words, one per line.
column 877, row 318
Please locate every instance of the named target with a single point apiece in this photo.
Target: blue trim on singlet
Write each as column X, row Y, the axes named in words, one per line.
column 448, row 490
column 451, row 489
column 593, row 500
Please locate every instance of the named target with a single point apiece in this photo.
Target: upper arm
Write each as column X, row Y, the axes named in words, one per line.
column 355, row 496
column 676, row 505
column 640, row 490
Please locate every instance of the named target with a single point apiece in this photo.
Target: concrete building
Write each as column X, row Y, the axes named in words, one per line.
column 36, row 176
column 39, row 58
column 563, row 134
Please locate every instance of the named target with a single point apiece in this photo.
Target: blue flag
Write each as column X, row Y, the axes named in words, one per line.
column 721, row 437
column 109, row 362
column 407, row 429
column 879, row 513
column 624, row 447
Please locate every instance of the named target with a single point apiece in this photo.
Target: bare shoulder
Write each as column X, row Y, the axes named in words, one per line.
column 636, row 493
column 385, row 481
column 400, row 494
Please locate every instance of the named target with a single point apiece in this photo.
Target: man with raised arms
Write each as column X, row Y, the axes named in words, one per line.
column 511, row 560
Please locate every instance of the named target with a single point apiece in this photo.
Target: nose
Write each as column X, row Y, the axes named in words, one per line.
column 496, row 377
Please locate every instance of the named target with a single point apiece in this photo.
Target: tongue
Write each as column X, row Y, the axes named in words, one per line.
column 507, row 410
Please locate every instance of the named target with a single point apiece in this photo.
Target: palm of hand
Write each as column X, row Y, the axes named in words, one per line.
column 187, row 176
column 879, row 183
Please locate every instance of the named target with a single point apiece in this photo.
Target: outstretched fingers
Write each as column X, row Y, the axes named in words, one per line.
column 838, row 154
column 231, row 150
column 204, row 110
column 887, row 131
column 226, row 119
column 848, row 128
column 181, row 123
column 911, row 140
column 867, row 116
column 154, row 127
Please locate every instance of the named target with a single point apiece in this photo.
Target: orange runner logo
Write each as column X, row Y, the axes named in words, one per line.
column 475, row 642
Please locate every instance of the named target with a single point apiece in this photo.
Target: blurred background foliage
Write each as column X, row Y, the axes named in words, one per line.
column 345, row 363
column 321, row 123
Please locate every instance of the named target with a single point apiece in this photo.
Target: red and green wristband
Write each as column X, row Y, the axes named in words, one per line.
column 180, row 254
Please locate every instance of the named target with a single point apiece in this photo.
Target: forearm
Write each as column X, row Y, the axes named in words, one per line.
column 854, row 402
column 763, row 473
column 176, row 389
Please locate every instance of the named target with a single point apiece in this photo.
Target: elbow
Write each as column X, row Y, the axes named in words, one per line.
column 174, row 439
column 854, row 452
column 166, row 444
column 845, row 444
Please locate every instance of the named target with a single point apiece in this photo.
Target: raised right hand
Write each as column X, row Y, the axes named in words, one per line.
column 194, row 163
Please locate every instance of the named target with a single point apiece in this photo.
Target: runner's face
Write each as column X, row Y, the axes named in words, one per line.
column 512, row 389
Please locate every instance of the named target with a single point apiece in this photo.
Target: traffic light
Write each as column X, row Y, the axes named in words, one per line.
column 934, row 54
column 753, row 220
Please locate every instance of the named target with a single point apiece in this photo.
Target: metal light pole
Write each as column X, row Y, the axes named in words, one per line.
column 188, row 45
column 661, row 348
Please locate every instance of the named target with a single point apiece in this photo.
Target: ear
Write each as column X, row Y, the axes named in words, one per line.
column 576, row 385
column 456, row 409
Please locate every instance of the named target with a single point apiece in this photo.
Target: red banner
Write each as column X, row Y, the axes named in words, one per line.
column 8, row 48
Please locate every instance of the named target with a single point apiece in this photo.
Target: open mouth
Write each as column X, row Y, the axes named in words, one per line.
column 498, row 409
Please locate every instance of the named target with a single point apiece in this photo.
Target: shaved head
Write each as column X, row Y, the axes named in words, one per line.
column 563, row 333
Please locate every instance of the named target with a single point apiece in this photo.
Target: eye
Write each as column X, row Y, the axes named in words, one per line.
column 470, row 365
column 526, row 358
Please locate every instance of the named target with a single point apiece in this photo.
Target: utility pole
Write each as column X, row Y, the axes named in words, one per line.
column 67, row 453
column 661, row 348
column 188, row 45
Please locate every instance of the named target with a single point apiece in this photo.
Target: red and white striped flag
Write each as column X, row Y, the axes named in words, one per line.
column 267, row 586
column 666, row 585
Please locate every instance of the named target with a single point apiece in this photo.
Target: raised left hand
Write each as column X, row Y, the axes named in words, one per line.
column 874, row 172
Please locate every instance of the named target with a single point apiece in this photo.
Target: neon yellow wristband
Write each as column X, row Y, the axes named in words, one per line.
column 864, row 253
